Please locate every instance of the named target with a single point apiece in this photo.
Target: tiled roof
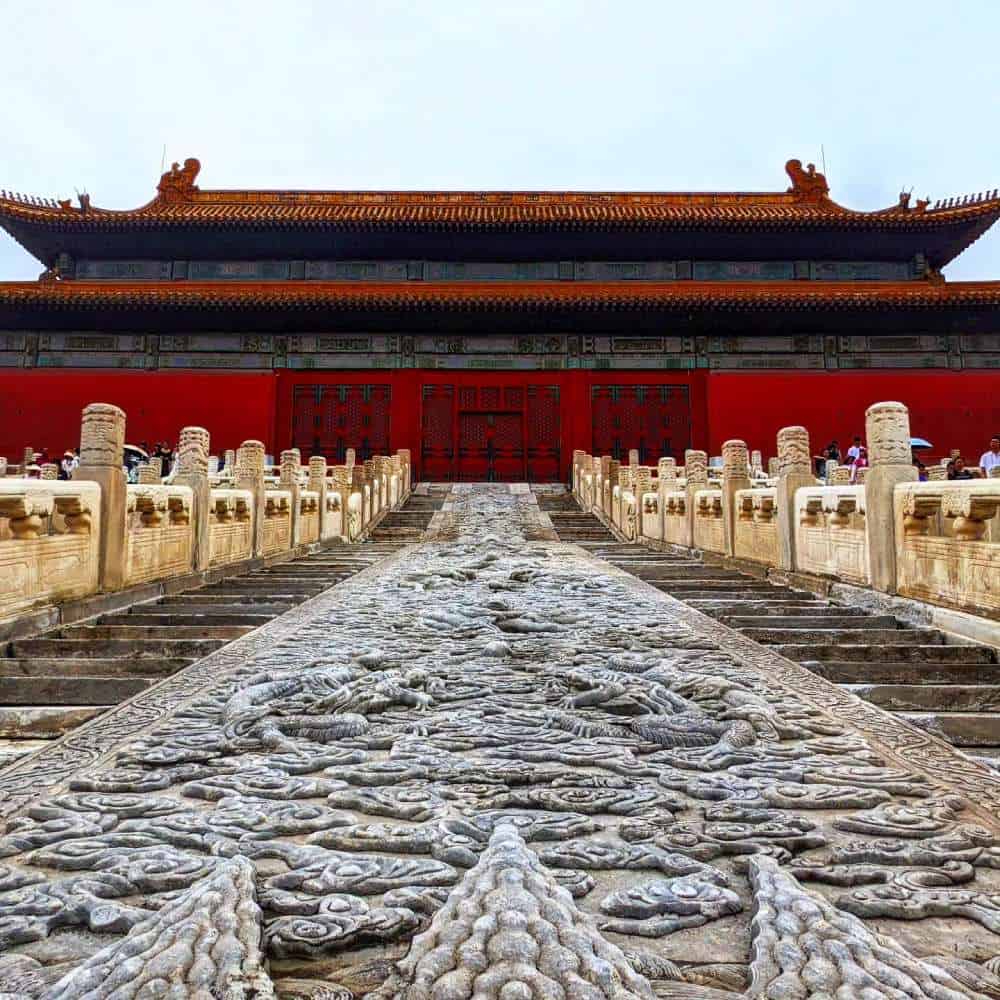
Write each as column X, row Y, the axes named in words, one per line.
column 473, row 297
column 179, row 202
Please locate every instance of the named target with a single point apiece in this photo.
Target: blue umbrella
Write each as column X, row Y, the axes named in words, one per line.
column 920, row 443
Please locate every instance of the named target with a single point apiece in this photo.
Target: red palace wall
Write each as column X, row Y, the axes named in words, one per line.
column 951, row 409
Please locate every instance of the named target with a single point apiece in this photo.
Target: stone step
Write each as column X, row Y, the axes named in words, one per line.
column 935, row 652
column 197, row 607
column 148, row 618
column 254, row 584
column 45, row 722
column 76, row 690
column 57, row 666
column 905, row 673
column 961, row 729
column 224, row 632
column 815, row 621
column 103, row 648
column 930, row 697
column 879, row 637
column 213, row 598
column 767, row 609
column 717, row 583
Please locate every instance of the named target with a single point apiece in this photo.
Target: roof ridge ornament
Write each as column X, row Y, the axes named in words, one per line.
column 807, row 184
column 177, row 184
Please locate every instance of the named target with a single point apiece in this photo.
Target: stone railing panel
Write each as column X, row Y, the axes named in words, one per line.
column 277, row 533
column 831, row 535
column 943, row 552
column 709, row 530
column 159, row 540
column 49, row 543
column 309, row 530
column 756, row 526
column 230, row 529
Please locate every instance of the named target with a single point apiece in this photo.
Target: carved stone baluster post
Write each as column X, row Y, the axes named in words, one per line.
column 756, row 464
column 228, row 462
column 150, row 473
column 887, row 426
column 614, row 467
column 696, row 474
column 341, row 489
column 666, row 482
column 317, row 484
column 289, row 480
column 3, row 467
column 794, row 472
column 192, row 471
column 371, row 507
column 735, row 476
column 349, row 458
column 49, row 471
column 102, row 450
column 633, row 458
column 358, row 486
column 407, row 484
column 642, row 484
column 250, row 476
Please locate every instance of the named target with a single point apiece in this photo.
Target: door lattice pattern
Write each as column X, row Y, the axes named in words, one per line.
column 329, row 419
column 655, row 419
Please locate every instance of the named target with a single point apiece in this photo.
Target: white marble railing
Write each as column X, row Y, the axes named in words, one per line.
column 948, row 543
column 159, row 535
column 831, row 535
column 756, row 527
column 49, row 549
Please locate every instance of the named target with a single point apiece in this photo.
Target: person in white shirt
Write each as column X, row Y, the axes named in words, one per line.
column 854, row 451
column 990, row 459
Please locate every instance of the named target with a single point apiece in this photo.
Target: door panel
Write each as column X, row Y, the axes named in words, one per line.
column 544, row 438
column 437, row 450
column 329, row 419
column 655, row 419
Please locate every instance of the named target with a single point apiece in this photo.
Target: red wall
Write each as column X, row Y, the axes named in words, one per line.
column 951, row 409
column 42, row 408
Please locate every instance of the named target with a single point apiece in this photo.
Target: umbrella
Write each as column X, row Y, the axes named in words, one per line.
column 920, row 443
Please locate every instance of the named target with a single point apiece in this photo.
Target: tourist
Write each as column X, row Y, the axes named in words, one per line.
column 957, row 470
column 859, row 461
column 820, row 462
column 919, row 466
column 68, row 464
column 990, row 459
column 833, row 450
column 855, row 450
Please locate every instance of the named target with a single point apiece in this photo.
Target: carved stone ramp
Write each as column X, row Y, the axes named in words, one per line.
column 52, row 682
column 530, row 756
column 947, row 686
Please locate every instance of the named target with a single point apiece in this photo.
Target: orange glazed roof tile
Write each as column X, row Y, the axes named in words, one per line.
column 180, row 202
column 467, row 296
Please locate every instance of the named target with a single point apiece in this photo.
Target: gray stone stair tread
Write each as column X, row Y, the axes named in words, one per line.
column 195, row 648
column 77, row 690
column 225, row 633
column 167, row 618
column 45, row 721
column 907, row 673
column 92, row 667
column 963, row 729
column 824, row 622
column 855, row 636
column 930, row 697
column 861, row 651
column 211, row 608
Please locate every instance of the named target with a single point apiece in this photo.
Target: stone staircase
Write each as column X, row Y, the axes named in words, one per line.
column 939, row 683
column 409, row 523
column 53, row 682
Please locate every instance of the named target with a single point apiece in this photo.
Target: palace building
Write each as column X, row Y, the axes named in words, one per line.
column 492, row 333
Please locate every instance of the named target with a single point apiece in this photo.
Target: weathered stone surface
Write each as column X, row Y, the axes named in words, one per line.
column 496, row 766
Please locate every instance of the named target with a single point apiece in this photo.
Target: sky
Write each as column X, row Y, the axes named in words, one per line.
column 550, row 94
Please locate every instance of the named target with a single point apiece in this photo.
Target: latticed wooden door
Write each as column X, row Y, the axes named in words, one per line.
column 544, row 437
column 329, row 419
column 437, row 450
column 655, row 419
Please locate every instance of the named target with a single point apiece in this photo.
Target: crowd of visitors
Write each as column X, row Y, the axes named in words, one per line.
column 856, row 458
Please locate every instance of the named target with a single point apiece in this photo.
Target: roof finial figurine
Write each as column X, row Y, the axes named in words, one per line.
column 807, row 184
column 177, row 184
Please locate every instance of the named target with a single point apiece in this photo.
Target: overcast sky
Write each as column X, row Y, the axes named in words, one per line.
column 542, row 94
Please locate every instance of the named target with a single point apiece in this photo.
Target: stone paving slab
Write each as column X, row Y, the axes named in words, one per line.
column 494, row 765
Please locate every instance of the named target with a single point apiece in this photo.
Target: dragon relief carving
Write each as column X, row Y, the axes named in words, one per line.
column 497, row 768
